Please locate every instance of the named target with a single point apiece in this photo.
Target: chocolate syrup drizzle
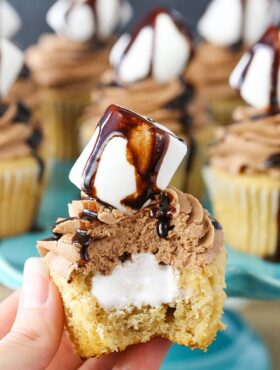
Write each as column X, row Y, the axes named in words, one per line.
column 146, row 159
column 271, row 39
column 163, row 212
column 150, row 21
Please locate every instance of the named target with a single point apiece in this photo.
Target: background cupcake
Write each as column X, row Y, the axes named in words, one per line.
column 146, row 76
column 67, row 64
column 22, row 156
column 227, row 29
column 244, row 172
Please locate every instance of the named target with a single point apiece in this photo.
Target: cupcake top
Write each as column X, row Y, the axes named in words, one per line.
column 18, row 137
column 135, row 213
column 95, row 238
column 146, row 70
column 76, row 54
column 252, row 145
column 237, row 22
column 227, row 28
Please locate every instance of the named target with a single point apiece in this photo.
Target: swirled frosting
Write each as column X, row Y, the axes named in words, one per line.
column 18, row 138
column 107, row 237
column 251, row 145
column 58, row 62
column 165, row 102
column 211, row 68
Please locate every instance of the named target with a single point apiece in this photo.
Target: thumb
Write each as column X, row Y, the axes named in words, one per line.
column 36, row 334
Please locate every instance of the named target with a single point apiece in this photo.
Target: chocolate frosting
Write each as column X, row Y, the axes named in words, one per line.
column 18, row 138
column 165, row 102
column 98, row 243
column 211, row 68
column 249, row 145
column 58, row 62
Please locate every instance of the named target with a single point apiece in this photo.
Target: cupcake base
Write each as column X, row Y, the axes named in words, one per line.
column 61, row 111
column 20, row 193
column 247, row 206
column 192, row 322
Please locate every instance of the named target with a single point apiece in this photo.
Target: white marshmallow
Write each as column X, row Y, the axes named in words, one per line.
column 115, row 177
column 222, row 23
column 11, row 62
column 136, row 64
column 10, row 21
column 169, row 62
column 256, row 86
column 141, row 281
column 77, row 22
column 163, row 50
column 118, row 49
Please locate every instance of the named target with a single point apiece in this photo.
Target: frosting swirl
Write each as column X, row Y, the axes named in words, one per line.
column 103, row 242
column 211, row 68
column 58, row 62
column 18, row 138
column 252, row 145
column 165, row 102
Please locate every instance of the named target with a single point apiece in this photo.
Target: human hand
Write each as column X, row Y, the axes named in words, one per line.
column 32, row 335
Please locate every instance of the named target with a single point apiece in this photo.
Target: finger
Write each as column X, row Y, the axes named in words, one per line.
column 104, row 363
column 8, row 311
column 66, row 358
column 36, row 334
column 145, row 356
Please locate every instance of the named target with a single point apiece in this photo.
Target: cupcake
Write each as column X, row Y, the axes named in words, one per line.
column 22, row 154
column 228, row 28
column 244, row 172
column 67, row 64
column 135, row 259
column 146, row 76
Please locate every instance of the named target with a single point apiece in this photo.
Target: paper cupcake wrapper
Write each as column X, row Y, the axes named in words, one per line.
column 20, row 193
column 60, row 118
column 247, row 207
column 222, row 109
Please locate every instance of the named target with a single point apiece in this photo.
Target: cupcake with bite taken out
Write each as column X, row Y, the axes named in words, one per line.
column 228, row 28
column 22, row 153
column 146, row 76
column 244, row 172
column 135, row 259
column 67, row 64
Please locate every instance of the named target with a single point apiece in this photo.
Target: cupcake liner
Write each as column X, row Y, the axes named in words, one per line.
column 247, row 207
column 61, row 113
column 222, row 109
column 194, row 183
column 20, row 193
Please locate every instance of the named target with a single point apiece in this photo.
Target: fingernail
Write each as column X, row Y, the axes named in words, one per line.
column 36, row 280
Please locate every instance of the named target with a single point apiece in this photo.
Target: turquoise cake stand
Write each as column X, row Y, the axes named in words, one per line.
column 246, row 276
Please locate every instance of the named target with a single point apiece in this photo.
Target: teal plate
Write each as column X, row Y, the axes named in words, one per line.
column 237, row 348
column 246, row 276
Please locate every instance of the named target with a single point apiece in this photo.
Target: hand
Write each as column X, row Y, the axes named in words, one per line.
column 32, row 335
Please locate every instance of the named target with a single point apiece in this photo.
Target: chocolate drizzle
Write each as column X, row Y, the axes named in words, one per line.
column 146, row 148
column 83, row 238
column 163, row 213
column 271, row 39
column 88, row 215
column 150, row 21
column 273, row 161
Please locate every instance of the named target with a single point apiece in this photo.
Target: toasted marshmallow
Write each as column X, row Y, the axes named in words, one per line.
column 226, row 23
column 82, row 20
column 11, row 62
column 10, row 21
column 128, row 159
column 141, row 281
column 160, row 46
column 256, row 76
